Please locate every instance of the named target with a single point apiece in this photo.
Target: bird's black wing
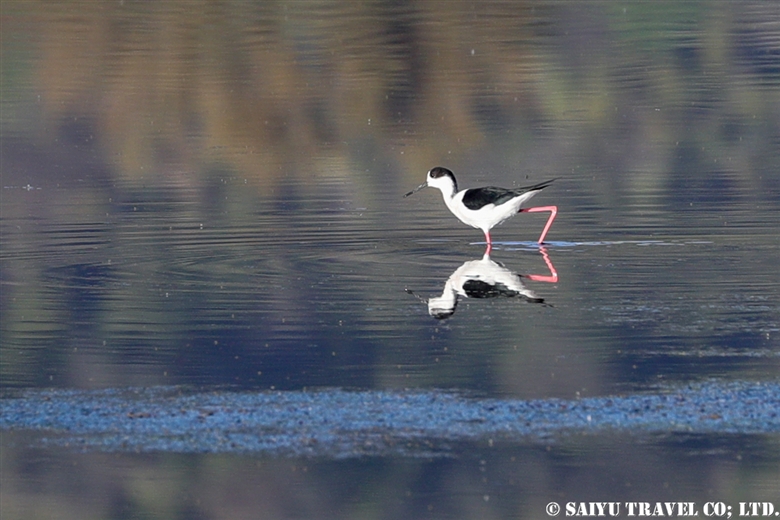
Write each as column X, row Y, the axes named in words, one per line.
column 476, row 198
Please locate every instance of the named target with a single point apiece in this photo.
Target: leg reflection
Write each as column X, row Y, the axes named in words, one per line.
column 552, row 277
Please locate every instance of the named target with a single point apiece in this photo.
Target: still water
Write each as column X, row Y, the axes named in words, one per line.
column 206, row 200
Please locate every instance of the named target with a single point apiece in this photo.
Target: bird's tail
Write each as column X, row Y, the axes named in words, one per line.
column 535, row 187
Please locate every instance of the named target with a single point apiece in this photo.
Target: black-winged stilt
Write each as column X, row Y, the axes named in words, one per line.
column 486, row 207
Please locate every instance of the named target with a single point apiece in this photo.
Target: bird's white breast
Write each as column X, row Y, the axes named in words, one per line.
column 485, row 217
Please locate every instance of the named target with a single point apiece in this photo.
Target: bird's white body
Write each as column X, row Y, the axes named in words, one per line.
column 484, row 208
column 486, row 217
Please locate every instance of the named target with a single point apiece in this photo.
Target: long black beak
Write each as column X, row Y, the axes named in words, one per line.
column 409, row 291
column 418, row 188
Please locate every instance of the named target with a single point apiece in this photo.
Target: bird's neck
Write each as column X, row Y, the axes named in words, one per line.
column 448, row 192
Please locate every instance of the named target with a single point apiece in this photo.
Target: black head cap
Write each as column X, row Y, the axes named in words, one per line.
column 440, row 171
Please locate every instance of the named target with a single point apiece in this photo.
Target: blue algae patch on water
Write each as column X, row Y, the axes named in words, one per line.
column 338, row 423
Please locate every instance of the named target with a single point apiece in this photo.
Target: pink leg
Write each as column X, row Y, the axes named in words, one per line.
column 553, row 212
column 553, row 277
column 489, row 247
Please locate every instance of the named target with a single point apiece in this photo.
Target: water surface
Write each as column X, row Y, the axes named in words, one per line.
column 207, row 199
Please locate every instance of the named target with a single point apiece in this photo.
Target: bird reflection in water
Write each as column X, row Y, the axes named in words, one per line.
column 486, row 278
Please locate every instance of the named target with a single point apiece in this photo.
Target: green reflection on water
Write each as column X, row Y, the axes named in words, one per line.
column 184, row 183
